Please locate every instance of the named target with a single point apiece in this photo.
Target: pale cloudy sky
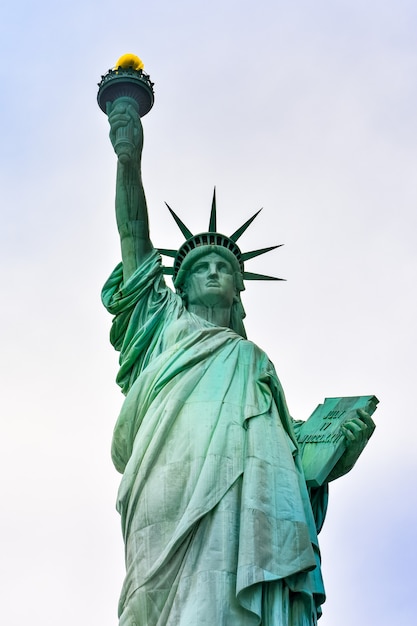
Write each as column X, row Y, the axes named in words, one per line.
column 305, row 108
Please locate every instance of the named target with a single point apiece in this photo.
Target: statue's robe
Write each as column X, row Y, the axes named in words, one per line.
column 216, row 516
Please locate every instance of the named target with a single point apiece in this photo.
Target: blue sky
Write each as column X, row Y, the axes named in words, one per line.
column 306, row 109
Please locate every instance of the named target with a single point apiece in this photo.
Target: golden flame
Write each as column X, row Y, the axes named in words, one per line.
column 130, row 60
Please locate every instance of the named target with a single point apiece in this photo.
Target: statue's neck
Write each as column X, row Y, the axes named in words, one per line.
column 216, row 315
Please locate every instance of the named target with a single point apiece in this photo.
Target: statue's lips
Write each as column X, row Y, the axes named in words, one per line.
column 213, row 283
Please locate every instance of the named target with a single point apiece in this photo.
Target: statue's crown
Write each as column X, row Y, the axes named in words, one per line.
column 212, row 240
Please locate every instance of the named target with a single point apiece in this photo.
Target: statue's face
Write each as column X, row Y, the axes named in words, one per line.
column 211, row 282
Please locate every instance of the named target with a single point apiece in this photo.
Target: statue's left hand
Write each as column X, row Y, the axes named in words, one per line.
column 357, row 432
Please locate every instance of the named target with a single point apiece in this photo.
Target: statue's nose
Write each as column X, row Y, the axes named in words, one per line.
column 213, row 271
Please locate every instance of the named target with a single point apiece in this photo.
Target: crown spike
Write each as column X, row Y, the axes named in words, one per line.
column 254, row 253
column 242, row 229
column 252, row 276
column 213, row 214
column 185, row 231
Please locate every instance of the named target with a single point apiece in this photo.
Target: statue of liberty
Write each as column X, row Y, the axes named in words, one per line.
column 219, row 525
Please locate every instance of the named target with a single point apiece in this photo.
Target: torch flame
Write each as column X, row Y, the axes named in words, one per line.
column 130, row 60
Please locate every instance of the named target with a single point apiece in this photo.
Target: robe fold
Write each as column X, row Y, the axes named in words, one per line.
column 216, row 517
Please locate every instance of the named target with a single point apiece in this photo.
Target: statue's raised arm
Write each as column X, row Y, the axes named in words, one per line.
column 131, row 208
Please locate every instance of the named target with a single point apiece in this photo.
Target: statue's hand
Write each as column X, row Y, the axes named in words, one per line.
column 126, row 133
column 357, row 432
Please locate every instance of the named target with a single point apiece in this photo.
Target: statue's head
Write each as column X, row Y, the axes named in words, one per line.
column 210, row 276
column 205, row 253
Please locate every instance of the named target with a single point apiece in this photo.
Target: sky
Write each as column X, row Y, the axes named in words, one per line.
column 306, row 109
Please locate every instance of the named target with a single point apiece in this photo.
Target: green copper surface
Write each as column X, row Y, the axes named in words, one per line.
column 219, row 524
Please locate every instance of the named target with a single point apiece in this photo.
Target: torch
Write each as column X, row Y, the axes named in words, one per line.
column 129, row 84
